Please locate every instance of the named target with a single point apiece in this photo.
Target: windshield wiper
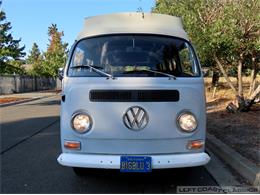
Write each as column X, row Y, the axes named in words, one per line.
column 154, row 71
column 162, row 73
column 95, row 69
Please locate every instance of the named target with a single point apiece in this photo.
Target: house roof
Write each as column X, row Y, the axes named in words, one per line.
column 133, row 22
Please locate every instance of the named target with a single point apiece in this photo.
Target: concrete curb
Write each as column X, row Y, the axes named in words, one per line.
column 220, row 171
column 23, row 101
column 244, row 167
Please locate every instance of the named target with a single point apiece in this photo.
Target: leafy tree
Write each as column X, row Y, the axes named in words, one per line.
column 242, row 26
column 56, row 54
column 34, row 54
column 18, row 67
column 9, row 49
column 226, row 34
column 35, row 58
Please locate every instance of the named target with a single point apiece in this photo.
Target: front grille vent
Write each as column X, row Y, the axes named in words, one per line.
column 134, row 95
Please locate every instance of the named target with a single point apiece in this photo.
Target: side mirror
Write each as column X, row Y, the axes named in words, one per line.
column 60, row 73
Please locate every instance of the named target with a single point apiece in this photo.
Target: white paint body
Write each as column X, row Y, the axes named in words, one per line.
column 109, row 138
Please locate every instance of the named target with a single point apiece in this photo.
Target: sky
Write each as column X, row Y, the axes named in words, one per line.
column 30, row 19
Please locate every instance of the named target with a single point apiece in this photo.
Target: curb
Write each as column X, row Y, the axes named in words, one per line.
column 23, row 101
column 220, row 172
column 244, row 167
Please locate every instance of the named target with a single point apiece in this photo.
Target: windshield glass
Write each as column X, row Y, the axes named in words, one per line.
column 134, row 56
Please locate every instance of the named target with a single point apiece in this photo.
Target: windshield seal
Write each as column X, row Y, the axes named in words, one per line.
column 74, row 46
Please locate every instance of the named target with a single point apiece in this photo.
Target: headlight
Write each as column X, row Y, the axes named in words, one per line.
column 187, row 122
column 81, row 122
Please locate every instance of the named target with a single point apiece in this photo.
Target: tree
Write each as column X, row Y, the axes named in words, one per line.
column 9, row 49
column 56, row 54
column 35, row 58
column 226, row 34
column 34, row 54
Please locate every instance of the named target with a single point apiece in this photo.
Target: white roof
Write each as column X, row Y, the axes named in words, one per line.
column 133, row 22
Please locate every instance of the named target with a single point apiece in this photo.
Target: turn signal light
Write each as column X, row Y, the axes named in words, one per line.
column 73, row 145
column 195, row 144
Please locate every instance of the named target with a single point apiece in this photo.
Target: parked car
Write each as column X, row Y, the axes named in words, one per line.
column 133, row 96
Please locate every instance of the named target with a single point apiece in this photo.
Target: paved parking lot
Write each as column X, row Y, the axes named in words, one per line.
column 30, row 144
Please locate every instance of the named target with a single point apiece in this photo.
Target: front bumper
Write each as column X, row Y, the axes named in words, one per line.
column 113, row 161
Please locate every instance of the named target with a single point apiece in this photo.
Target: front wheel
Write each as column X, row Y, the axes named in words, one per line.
column 79, row 171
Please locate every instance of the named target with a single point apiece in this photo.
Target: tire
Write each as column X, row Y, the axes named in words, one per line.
column 79, row 171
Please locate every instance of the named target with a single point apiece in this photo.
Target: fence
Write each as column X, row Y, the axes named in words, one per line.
column 19, row 84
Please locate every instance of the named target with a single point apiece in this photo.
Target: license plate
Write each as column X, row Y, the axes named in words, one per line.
column 135, row 164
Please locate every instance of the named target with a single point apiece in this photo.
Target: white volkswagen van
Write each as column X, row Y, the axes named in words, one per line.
column 133, row 96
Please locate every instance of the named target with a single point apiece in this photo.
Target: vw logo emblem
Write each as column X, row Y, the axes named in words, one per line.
column 135, row 118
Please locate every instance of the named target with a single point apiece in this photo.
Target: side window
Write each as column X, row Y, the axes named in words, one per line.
column 188, row 64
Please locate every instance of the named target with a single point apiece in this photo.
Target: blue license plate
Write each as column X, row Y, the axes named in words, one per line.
column 135, row 164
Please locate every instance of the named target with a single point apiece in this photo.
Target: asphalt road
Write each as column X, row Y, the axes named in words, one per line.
column 30, row 144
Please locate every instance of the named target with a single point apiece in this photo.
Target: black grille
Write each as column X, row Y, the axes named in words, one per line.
column 134, row 95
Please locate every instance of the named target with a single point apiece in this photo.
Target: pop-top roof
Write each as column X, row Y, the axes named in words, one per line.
column 136, row 22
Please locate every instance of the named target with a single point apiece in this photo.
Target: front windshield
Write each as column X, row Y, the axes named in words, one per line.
column 134, row 56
